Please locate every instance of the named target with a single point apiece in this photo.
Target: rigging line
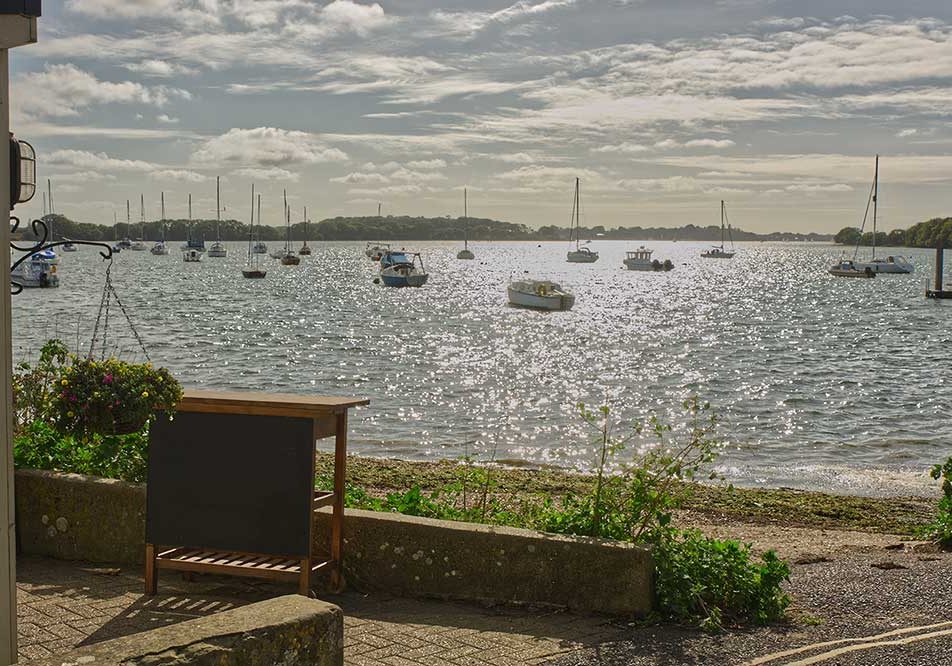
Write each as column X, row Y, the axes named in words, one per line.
column 869, row 202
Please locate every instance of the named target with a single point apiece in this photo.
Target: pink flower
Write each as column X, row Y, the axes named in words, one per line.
column 107, row 379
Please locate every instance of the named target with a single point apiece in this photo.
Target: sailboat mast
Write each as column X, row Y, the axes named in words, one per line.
column 128, row 218
column 875, row 203
column 465, row 219
column 142, row 215
column 44, row 204
column 287, row 216
column 218, row 208
column 162, row 199
column 722, row 224
column 259, row 210
column 49, row 188
column 578, row 217
column 251, row 227
column 378, row 209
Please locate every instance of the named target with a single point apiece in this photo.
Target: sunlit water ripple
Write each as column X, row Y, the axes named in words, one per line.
column 818, row 381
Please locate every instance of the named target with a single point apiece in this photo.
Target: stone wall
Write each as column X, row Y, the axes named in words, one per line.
column 69, row 516
column 287, row 630
column 410, row 556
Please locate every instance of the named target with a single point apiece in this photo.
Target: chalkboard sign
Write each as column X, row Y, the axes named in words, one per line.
column 232, row 482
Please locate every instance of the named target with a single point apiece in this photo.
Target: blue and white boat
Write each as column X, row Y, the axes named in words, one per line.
column 403, row 269
column 37, row 271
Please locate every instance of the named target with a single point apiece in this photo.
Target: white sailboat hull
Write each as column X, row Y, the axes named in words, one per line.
column 896, row 265
column 583, row 256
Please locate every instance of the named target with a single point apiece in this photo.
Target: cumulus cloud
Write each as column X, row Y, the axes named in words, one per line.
column 65, row 90
column 266, row 146
column 89, row 160
column 166, row 119
column 269, row 173
column 181, row 175
column 158, row 68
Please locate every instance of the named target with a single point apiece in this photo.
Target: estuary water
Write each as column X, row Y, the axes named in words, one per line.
column 818, row 382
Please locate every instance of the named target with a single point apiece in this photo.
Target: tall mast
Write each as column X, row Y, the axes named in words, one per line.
column 875, row 198
column 722, row 224
column 128, row 218
column 251, row 227
column 189, row 207
column 378, row 210
column 162, row 198
column 259, row 210
column 142, row 215
column 578, row 217
column 218, row 208
column 287, row 216
column 465, row 220
column 49, row 188
column 44, row 204
column 115, row 225
column 305, row 225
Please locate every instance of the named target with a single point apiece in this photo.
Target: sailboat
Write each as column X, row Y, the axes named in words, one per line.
column 465, row 253
column 67, row 246
column 718, row 251
column 160, row 248
column 137, row 245
column 891, row 264
column 193, row 249
column 305, row 250
column 217, row 248
column 580, row 255
column 288, row 258
column 252, row 270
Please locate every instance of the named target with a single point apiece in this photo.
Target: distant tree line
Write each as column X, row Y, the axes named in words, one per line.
column 391, row 228
column 923, row 234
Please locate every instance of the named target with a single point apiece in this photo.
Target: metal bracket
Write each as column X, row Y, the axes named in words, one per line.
column 41, row 231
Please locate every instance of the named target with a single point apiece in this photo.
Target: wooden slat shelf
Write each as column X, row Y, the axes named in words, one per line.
column 323, row 498
column 234, row 564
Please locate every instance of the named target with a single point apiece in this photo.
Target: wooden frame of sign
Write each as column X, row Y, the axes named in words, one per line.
column 231, row 487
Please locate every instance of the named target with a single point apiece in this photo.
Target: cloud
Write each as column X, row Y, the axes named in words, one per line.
column 815, row 188
column 89, row 160
column 158, row 68
column 182, row 175
column 358, row 178
column 625, row 147
column 266, row 146
column 911, row 131
column 166, row 119
column 65, row 90
column 424, row 165
column 709, row 143
column 270, row 173
column 354, row 16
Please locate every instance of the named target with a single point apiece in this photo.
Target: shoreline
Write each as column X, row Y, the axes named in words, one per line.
column 707, row 505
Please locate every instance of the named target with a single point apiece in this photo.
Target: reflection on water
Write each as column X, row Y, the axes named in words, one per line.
column 818, row 380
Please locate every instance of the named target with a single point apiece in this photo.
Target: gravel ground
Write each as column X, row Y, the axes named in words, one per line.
column 850, row 595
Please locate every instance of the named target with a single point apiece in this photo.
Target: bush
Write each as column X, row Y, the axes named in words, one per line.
column 40, row 446
column 87, row 416
column 940, row 529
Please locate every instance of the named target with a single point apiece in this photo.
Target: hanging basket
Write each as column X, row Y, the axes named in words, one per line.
column 112, row 397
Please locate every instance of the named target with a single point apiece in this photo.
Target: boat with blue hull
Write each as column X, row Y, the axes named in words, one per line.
column 403, row 269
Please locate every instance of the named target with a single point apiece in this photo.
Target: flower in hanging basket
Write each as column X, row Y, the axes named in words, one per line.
column 112, row 397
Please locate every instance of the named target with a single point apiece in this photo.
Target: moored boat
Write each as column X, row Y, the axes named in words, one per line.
column 580, row 255
column 640, row 260
column 540, row 295
column 465, row 253
column 217, row 249
column 375, row 251
column 252, row 270
column 405, row 270
column 847, row 268
column 35, row 272
column 719, row 251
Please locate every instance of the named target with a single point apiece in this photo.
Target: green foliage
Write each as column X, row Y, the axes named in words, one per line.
column 940, row 529
column 40, row 446
column 924, row 234
column 847, row 236
column 34, row 387
column 696, row 576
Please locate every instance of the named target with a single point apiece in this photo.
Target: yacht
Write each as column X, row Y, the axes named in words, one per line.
column 580, row 255
column 404, row 270
column 719, row 251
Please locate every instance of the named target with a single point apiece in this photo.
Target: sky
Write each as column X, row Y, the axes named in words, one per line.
column 660, row 107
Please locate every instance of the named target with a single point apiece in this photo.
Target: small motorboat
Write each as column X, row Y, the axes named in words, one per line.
column 540, row 295
column 159, row 248
column 406, row 270
column 640, row 260
column 847, row 268
column 68, row 246
column 36, row 272
column 259, row 248
column 192, row 255
column 137, row 246
column 116, row 249
column 125, row 244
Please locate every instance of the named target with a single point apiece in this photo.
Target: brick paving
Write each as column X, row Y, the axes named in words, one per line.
column 62, row 605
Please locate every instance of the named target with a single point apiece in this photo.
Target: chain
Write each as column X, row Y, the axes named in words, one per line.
column 108, row 293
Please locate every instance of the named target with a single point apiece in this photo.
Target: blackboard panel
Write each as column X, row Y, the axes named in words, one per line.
column 231, row 482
